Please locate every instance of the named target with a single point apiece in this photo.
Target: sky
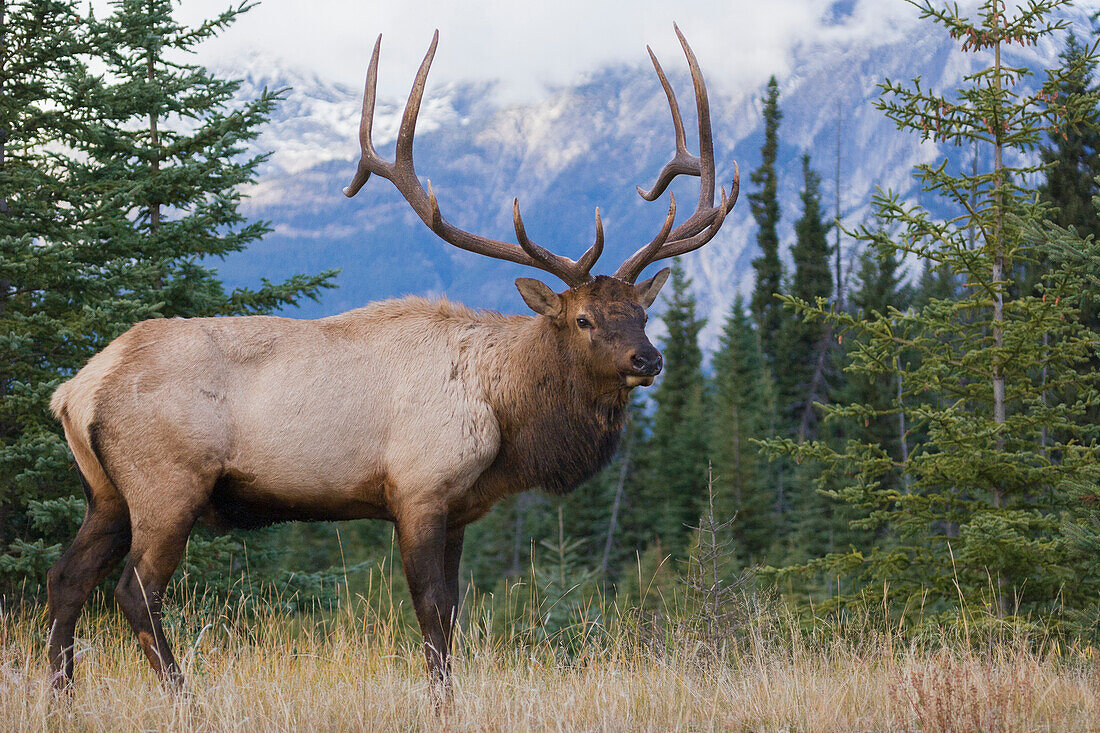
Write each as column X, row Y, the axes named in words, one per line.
column 529, row 47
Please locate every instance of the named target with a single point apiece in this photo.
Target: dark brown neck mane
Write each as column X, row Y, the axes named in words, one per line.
column 558, row 425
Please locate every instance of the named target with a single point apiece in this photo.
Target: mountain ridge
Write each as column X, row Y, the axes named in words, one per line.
column 584, row 145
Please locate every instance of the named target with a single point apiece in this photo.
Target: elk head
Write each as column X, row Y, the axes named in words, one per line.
column 603, row 321
column 603, row 317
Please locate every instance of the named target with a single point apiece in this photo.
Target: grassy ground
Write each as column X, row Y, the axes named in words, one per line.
column 360, row 669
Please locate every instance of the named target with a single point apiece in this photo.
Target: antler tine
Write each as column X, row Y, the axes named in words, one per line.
column 704, row 222
column 402, row 174
column 573, row 273
column 403, row 153
column 629, row 270
column 678, row 247
column 436, row 218
column 702, row 217
column 706, row 139
column 536, row 251
column 735, row 186
column 588, row 259
column 683, row 162
column 366, row 123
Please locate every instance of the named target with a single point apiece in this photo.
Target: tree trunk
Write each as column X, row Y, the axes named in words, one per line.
column 612, row 523
column 517, row 539
column 836, row 225
column 154, row 143
column 816, row 389
column 903, row 442
column 5, row 285
column 998, row 307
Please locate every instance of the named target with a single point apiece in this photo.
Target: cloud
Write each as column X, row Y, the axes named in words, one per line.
column 529, row 46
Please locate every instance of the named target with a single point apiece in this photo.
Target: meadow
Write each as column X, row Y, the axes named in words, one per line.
column 357, row 665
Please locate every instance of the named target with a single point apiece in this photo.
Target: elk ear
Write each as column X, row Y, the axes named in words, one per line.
column 539, row 297
column 647, row 290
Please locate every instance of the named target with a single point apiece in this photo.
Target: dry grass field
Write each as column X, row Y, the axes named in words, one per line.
column 358, row 668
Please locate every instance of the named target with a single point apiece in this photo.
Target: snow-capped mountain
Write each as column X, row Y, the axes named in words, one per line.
column 585, row 145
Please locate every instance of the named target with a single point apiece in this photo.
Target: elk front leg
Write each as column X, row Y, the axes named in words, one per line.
column 424, row 542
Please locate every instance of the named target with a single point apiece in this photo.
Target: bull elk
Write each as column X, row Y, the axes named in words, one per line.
column 423, row 413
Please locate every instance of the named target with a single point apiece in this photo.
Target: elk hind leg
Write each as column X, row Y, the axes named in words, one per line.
column 99, row 546
column 158, row 544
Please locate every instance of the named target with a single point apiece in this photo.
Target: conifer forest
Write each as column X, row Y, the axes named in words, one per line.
column 895, row 440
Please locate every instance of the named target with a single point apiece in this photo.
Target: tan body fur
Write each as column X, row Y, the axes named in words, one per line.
column 410, row 396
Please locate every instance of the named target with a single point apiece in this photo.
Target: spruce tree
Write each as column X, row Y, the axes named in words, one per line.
column 879, row 288
column 678, row 449
column 1068, row 250
column 977, row 525
column 137, row 182
column 637, row 529
column 174, row 150
column 805, row 349
column 1072, row 153
column 765, row 210
column 599, row 511
column 499, row 545
column 1073, row 160
column 805, row 344
column 818, row 525
column 935, row 283
column 742, row 403
column 43, row 50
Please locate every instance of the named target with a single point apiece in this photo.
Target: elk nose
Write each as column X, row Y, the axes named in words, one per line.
column 648, row 364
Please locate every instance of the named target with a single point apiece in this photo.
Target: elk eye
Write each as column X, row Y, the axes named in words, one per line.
column 583, row 322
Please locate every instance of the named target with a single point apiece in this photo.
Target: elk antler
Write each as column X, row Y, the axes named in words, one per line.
column 402, row 174
column 707, row 218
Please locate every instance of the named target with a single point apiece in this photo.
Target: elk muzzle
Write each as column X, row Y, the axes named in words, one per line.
column 645, row 364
